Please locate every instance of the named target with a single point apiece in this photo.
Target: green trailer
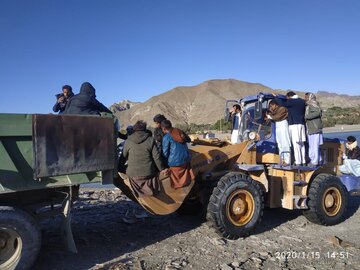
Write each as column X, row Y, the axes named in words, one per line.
column 43, row 160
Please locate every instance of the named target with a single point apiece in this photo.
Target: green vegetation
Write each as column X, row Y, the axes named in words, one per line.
column 341, row 116
column 331, row 117
column 220, row 125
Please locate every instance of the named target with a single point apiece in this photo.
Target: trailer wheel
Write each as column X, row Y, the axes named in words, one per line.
column 327, row 200
column 20, row 239
column 236, row 205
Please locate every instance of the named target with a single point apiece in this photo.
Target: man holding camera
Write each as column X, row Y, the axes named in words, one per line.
column 62, row 99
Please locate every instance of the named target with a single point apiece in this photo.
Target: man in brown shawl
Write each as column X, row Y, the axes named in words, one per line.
column 177, row 155
column 279, row 115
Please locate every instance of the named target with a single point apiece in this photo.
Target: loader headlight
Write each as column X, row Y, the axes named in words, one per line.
column 252, row 135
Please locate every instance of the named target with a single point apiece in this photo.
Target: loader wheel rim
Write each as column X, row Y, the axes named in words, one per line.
column 240, row 207
column 332, row 201
column 10, row 247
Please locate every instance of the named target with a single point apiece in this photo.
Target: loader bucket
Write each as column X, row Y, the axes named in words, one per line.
column 167, row 201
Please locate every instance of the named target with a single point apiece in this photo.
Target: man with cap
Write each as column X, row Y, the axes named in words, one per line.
column 352, row 159
column 296, row 119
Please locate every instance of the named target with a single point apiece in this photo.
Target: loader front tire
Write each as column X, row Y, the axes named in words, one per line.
column 327, row 200
column 236, row 206
column 20, row 239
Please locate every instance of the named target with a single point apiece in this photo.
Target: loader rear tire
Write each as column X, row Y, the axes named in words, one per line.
column 327, row 200
column 236, row 205
column 20, row 239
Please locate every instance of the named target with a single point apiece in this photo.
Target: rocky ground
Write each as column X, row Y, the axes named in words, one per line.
column 112, row 232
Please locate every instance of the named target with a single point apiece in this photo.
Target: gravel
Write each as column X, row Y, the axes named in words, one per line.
column 113, row 233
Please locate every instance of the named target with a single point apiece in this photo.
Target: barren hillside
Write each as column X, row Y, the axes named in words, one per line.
column 204, row 103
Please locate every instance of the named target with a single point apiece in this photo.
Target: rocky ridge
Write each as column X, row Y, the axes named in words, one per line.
column 204, row 103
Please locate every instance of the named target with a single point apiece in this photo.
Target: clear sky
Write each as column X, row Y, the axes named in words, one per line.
column 133, row 49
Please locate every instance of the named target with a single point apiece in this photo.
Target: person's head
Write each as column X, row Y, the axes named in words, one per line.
column 67, row 90
column 290, row 94
column 311, row 97
column 139, row 126
column 273, row 104
column 129, row 129
column 307, row 96
column 87, row 89
column 237, row 108
column 351, row 139
column 158, row 119
column 166, row 126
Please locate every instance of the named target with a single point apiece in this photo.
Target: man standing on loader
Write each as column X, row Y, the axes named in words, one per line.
column 296, row 119
column 235, row 118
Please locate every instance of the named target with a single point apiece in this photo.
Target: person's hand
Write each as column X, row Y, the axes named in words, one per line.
column 166, row 172
column 266, row 119
column 61, row 99
column 274, row 94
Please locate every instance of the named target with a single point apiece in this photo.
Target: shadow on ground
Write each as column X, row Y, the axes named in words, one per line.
column 104, row 231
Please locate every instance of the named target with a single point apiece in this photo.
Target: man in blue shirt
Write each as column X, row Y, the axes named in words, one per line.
column 296, row 120
column 176, row 152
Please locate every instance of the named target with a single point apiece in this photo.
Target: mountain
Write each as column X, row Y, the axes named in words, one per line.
column 123, row 105
column 204, row 103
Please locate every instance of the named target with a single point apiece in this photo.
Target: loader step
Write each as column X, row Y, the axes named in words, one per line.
column 299, row 183
column 293, row 167
column 300, row 202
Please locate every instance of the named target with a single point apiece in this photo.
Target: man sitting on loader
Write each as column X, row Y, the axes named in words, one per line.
column 177, row 154
column 352, row 159
column 144, row 161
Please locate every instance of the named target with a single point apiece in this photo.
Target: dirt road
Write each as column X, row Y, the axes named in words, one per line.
column 114, row 233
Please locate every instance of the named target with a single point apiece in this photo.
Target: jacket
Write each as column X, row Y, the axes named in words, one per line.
column 158, row 135
column 354, row 153
column 142, row 155
column 279, row 114
column 85, row 102
column 60, row 106
column 313, row 120
column 232, row 118
column 176, row 153
column 296, row 109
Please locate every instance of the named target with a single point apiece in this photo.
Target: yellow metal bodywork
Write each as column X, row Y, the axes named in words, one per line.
column 205, row 158
column 167, row 201
column 282, row 189
column 215, row 156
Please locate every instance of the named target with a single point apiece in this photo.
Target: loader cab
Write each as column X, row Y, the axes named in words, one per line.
column 253, row 124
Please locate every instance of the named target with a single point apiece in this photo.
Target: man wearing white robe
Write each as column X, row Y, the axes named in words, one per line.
column 236, row 120
column 296, row 119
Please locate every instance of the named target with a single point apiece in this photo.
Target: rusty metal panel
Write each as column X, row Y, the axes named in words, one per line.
column 69, row 144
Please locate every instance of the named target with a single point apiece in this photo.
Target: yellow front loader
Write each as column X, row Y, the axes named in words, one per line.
column 234, row 182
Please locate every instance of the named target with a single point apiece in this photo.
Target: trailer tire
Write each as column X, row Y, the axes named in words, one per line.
column 236, row 205
column 327, row 200
column 20, row 239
